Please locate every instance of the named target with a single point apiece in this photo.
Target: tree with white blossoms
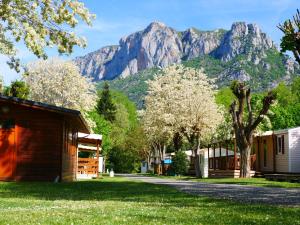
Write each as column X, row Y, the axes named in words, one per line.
column 59, row 83
column 40, row 24
column 157, row 132
column 182, row 100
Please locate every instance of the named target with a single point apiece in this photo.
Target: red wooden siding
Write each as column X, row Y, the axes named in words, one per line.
column 69, row 153
column 7, row 150
column 41, row 147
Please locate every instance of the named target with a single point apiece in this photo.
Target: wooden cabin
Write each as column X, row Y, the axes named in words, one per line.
column 272, row 152
column 38, row 142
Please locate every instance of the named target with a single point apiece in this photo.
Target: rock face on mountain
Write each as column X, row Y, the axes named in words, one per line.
column 93, row 64
column 196, row 43
column 159, row 46
column 243, row 39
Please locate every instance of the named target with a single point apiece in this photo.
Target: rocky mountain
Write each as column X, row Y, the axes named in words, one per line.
column 244, row 53
column 159, row 46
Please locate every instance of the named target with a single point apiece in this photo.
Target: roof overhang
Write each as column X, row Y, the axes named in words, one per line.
column 73, row 115
column 89, row 138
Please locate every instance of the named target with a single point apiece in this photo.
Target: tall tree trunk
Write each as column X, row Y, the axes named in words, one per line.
column 245, row 161
column 177, row 141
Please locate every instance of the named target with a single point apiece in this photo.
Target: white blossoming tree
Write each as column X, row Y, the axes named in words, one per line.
column 182, row 100
column 40, row 24
column 59, row 83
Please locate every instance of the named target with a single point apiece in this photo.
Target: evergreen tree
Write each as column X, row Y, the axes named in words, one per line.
column 105, row 105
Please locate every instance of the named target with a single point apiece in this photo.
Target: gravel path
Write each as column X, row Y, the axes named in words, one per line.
column 242, row 193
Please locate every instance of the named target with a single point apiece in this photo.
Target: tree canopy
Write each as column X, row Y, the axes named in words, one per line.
column 59, row 83
column 181, row 99
column 40, row 24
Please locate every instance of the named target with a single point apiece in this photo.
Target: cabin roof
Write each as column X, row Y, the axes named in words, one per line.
column 89, row 138
column 74, row 114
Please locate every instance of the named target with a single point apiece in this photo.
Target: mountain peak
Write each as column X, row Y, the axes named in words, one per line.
column 159, row 46
column 156, row 24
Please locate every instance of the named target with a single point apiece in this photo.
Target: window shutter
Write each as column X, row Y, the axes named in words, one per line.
column 282, row 144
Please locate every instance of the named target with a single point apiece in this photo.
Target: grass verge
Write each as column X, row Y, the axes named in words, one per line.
column 260, row 182
column 119, row 201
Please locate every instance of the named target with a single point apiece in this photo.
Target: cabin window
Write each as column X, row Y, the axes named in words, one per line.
column 265, row 153
column 280, row 144
column 7, row 124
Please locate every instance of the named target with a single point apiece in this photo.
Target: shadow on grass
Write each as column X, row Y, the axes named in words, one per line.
column 157, row 196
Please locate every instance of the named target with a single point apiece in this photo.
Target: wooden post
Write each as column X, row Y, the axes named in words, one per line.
column 214, row 156
column 234, row 153
column 97, row 155
column 226, row 155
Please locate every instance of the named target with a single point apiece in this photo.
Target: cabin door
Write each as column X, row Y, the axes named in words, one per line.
column 7, row 149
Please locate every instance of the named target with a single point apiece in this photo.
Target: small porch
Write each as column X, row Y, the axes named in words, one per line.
column 88, row 155
column 224, row 160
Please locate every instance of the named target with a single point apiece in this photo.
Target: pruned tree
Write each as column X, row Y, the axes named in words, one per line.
column 40, row 24
column 245, row 125
column 291, row 39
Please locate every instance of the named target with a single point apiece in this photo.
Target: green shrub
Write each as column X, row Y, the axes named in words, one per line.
column 180, row 163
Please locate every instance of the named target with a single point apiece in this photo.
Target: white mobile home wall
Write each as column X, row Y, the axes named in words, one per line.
column 294, row 150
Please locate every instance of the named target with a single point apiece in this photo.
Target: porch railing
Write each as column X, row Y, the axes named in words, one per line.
column 228, row 163
column 87, row 166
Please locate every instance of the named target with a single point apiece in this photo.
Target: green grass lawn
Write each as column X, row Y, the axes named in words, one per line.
column 119, row 201
column 261, row 182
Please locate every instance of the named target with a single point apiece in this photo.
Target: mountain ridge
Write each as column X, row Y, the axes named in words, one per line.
column 159, row 46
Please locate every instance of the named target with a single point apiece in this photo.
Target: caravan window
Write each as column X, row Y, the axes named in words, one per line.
column 265, row 153
column 280, row 144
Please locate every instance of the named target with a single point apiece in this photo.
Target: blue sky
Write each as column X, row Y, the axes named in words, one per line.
column 118, row 18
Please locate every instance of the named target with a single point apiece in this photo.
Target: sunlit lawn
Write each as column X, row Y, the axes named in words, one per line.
column 119, row 201
column 262, row 182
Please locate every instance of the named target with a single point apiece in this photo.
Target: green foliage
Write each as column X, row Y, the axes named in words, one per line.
column 40, row 24
column 103, row 127
column 127, row 155
column 105, row 105
column 270, row 69
column 295, row 88
column 123, row 139
column 225, row 97
column 129, row 106
column 285, row 114
column 180, row 163
column 134, row 86
column 17, row 89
